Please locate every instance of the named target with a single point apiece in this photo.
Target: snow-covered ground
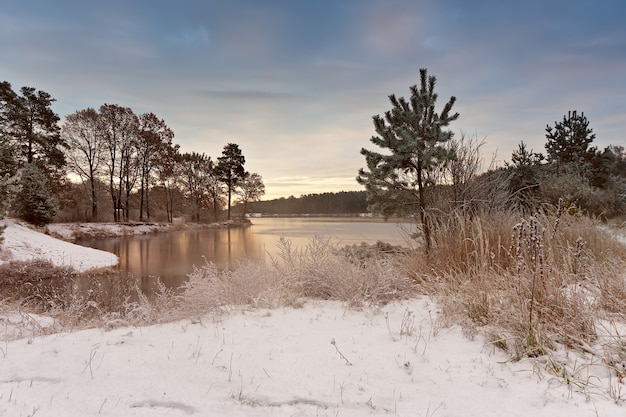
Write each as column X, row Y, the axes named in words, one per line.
column 23, row 243
column 319, row 360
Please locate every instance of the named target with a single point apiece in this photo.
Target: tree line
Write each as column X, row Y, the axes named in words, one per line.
column 423, row 170
column 340, row 203
column 109, row 164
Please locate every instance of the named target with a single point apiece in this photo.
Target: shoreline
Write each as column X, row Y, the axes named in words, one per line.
column 74, row 232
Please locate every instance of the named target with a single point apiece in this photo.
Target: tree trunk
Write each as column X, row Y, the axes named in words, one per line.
column 423, row 217
column 94, row 202
column 229, row 195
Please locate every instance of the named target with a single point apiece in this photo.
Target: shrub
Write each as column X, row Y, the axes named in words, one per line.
column 606, row 202
column 35, row 202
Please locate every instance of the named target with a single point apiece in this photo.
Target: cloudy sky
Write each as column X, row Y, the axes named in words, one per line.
column 295, row 83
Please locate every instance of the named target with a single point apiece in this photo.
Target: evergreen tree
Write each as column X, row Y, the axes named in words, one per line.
column 524, row 181
column 35, row 202
column 606, row 165
column 230, row 169
column 8, row 164
column 31, row 126
column 412, row 133
column 7, row 98
column 8, row 169
column 569, row 140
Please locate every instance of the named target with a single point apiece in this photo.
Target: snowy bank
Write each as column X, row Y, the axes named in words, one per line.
column 319, row 360
column 24, row 244
column 75, row 231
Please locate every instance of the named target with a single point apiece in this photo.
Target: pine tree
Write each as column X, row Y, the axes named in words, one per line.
column 31, row 126
column 413, row 135
column 569, row 140
column 230, row 169
column 524, row 181
column 35, row 202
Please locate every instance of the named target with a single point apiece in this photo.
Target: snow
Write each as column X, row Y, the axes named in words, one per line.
column 73, row 231
column 282, row 362
column 323, row 359
column 24, row 244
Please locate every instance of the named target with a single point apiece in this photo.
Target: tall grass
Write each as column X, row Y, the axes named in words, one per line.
column 530, row 283
column 294, row 274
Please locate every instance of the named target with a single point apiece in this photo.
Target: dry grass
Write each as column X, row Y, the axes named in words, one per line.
column 110, row 298
column 317, row 271
column 73, row 299
column 37, row 285
column 531, row 284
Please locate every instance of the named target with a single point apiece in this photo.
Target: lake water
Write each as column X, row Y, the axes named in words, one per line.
column 171, row 256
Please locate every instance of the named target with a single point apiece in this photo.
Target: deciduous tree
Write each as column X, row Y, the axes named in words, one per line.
column 195, row 172
column 166, row 175
column 153, row 140
column 119, row 127
column 250, row 189
column 85, row 156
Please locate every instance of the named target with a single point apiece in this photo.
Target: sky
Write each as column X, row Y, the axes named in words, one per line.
column 295, row 83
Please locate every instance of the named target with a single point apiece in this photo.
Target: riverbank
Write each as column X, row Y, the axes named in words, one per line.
column 55, row 242
column 72, row 232
column 22, row 242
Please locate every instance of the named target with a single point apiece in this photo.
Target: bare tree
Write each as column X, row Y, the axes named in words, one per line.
column 154, row 136
column 250, row 189
column 119, row 129
column 464, row 167
column 166, row 175
column 86, row 150
column 195, row 172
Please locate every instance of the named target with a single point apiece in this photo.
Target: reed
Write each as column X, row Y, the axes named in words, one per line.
column 530, row 283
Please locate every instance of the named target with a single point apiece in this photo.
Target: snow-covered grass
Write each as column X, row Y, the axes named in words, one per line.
column 261, row 341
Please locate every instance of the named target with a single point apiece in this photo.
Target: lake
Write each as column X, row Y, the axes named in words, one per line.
column 171, row 256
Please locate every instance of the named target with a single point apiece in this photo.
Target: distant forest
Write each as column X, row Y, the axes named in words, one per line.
column 342, row 203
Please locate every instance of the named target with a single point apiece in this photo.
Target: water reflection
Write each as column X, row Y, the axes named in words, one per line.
column 171, row 256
